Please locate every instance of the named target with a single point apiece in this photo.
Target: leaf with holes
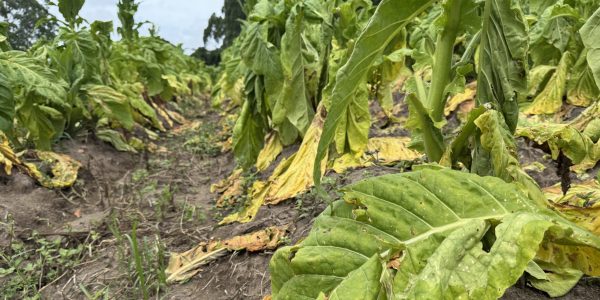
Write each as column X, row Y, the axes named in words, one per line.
column 450, row 235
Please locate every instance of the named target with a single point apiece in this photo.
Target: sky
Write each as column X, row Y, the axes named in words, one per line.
column 178, row 21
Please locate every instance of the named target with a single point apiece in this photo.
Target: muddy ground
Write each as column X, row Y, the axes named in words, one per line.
column 166, row 196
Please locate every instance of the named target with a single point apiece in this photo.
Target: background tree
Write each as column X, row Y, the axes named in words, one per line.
column 222, row 30
column 22, row 15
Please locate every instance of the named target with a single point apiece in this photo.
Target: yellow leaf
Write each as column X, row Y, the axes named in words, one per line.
column 269, row 153
column 183, row 266
column 583, row 258
column 63, row 172
column 297, row 177
column 550, row 100
column 187, row 127
column 229, row 188
column 255, row 201
column 7, row 155
column 380, row 150
column 389, row 150
column 457, row 100
column 581, row 204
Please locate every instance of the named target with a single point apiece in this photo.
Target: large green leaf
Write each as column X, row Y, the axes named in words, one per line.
column 590, row 34
column 32, row 75
column 44, row 123
column 449, row 234
column 295, row 101
column 502, row 75
column 388, row 20
column 7, row 105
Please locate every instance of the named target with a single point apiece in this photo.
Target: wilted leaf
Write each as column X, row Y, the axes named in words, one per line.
column 501, row 149
column 187, row 127
column 230, row 187
column 183, row 266
column 463, row 100
column 369, row 46
column 297, row 177
column 380, row 150
column 256, row 199
column 550, row 100
column 581, row 203
column 63, row 169
column 565, row 138
column 115, row 138
column 269, row 153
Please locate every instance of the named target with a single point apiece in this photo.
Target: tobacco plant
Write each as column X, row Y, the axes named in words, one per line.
column 437, row 233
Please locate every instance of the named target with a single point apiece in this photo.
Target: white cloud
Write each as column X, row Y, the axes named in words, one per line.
column 178, row 21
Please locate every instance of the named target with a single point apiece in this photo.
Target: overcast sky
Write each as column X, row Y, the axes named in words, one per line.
column 179, row 21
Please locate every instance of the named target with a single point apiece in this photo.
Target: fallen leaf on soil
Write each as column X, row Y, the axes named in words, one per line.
column 63, row 168
column 227, row 145
column 229, row 188
column 185, row 128
column 269, row 153
column 257, row 196
column 7, row 155
column 77, row 213
column 381, row 150
column 183, row 266
column 581, row 204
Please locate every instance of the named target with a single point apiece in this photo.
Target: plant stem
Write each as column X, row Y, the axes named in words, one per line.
column 432, row 136
column 443, row 61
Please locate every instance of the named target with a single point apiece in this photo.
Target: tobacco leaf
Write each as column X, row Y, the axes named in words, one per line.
column 183, row 266
column 438, row 221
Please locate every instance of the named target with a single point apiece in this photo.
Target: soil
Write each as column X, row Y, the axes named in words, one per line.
column 108, row 200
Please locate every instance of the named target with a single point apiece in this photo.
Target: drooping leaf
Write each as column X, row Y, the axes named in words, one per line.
column 269, row 153
column 501, row 153
column 589, row 34
column 247, row 137
column 7, row 105
column 581, row 203
column 380, row 150
column 385, row 24
column 503, row 58
column 550, row 100
column 296, row 177
column 115, row 138
column 432, row 223
column 110, row 104
column 565, row 138
column 296, row 104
